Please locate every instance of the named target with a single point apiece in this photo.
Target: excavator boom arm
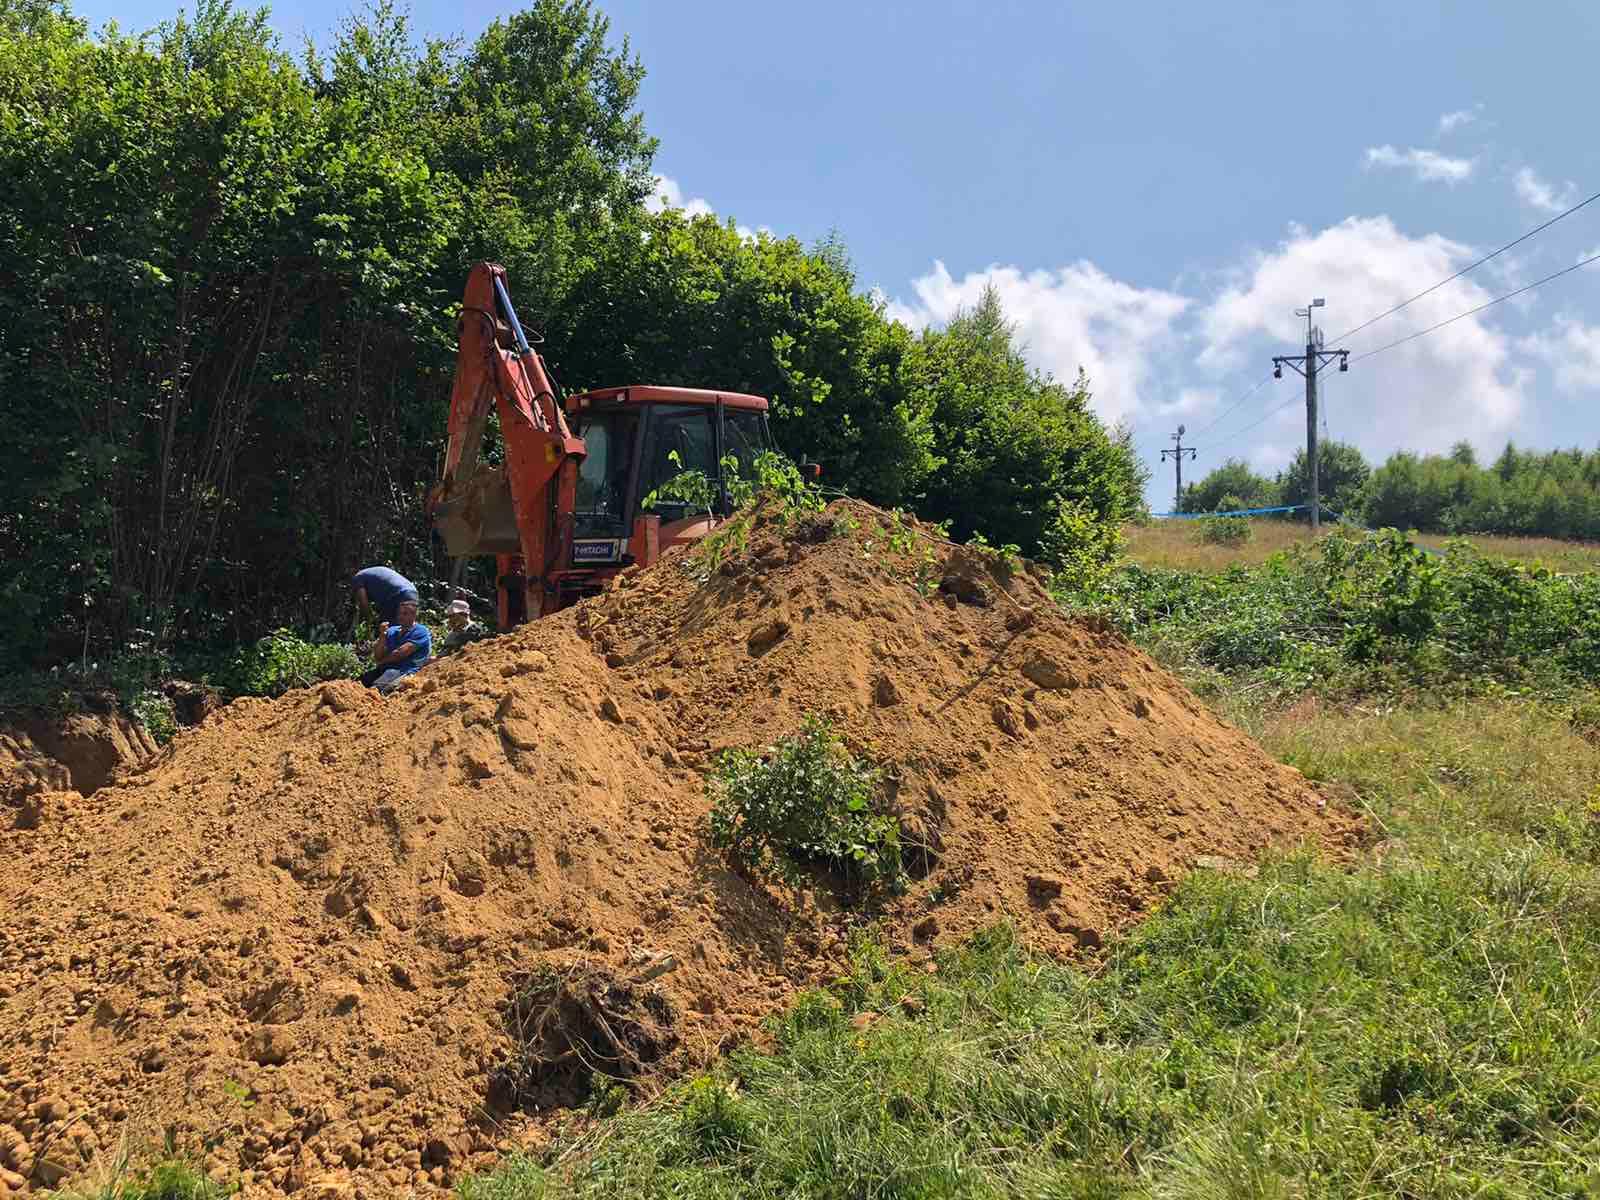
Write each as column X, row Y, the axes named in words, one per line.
column 541, row 454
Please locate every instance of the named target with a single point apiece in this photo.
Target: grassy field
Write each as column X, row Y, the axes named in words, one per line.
column 1176, row 545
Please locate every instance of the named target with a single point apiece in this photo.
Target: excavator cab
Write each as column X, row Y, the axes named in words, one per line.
column 578, row 495
column 637, row 439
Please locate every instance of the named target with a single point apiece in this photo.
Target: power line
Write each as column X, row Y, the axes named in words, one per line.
column 1269, row 413
column 1219, row 417
column 1474, row 311
column 1421, row 333
column 1225, row 413
column 1218, row 441
column 1470, row 266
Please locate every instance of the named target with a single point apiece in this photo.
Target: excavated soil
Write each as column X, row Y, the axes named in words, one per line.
column 79, row 753
column 357, row 946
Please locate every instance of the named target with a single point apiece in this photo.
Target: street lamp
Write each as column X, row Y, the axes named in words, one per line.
column 1319, row 302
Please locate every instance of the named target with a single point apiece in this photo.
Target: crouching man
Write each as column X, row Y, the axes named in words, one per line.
column 401, row 648
column 382, row 590
column 462, row 628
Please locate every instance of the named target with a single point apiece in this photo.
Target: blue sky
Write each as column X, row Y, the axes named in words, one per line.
column 1155, row 187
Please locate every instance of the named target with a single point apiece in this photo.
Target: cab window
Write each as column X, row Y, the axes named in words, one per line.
column 681, row 429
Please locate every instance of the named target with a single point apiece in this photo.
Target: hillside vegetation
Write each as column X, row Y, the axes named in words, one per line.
column 1188, row 545
column 1530, row 494
column 229, row 281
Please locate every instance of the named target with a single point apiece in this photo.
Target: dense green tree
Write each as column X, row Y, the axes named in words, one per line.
column 1232, row 485
column 672, row 300
column 1018, row 453
column 228, row 283
column 1554, row 494
column 1341, row 473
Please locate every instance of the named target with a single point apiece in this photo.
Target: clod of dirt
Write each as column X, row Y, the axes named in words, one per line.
column 270, row 1046
column 1005, row 716
column 766, row 637
column 1047, row 673
column 1042, row 889
column 973, row 577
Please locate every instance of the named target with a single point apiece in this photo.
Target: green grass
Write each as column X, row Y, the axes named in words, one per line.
column 1421, row 1025
column 1180, row 546
column 173, row 1179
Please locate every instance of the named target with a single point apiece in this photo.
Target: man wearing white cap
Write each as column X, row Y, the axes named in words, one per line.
column 463, row 629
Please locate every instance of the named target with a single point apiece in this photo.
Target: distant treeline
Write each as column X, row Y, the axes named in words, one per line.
column 229, row 282
column 1553, row 493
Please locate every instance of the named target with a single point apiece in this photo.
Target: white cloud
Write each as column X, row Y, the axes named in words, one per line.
column 1573, row 350
column 1427, row 165
column 669, row 194
column 1455, row 383
column 1191, row 402
column 1539, row 194
column 1452, row 121
column 1066, row 318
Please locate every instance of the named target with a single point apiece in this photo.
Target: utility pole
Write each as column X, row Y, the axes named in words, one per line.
column 1177, row 452
column 1314, row 360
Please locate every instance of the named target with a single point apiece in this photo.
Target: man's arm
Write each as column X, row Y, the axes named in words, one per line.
column 363, row 605
column 378, row 653
column 400, row 653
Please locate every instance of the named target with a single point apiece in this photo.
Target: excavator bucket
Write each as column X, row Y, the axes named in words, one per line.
column 481, row 517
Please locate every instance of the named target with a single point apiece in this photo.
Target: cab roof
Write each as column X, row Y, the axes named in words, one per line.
column 647, row 394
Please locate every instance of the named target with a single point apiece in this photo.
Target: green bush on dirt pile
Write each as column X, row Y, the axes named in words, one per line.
column 809, row 803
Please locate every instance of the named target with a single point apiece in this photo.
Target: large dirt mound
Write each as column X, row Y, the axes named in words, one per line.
column 351, row 942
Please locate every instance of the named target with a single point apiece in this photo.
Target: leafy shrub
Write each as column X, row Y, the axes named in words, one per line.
column 771, row 473
column 282, row 660
column 1225, row 531
column 809, row 802
column 692, row 487
column 778, row 475
column 154, row 711
column 1368, row 612
column 1080, row 546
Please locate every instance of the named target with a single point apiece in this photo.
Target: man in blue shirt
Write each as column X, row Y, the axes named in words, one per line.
column 400, row 649
column 382, row 589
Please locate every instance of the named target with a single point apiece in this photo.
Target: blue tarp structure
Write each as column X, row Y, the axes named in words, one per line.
column 1232, row 512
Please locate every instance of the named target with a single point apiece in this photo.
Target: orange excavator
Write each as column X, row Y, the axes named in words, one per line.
column 566, row 508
